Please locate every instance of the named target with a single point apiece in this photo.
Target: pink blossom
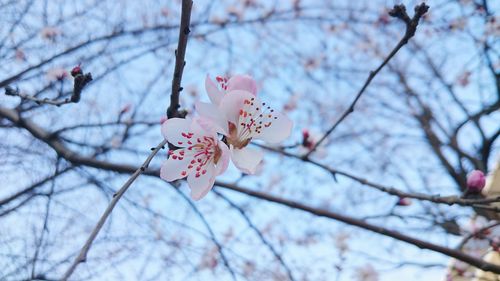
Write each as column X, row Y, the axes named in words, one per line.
column 224, row 85
column 126, row 108
column 307, row 141
column 404, row 201
column 165, row 12
column 476, row 181
column 76, row 70
column 20, row 55
column 57, row 73
column 200, row 157
column 366, row 273
column 241, row 117
column 50, row 33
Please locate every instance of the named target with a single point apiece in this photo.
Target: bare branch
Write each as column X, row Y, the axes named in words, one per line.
column 81, row 80
column 399, row 11
column 180, row 53
column 481, row 264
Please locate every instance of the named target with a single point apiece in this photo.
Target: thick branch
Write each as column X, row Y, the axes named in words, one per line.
column 180, row 53
column 80, row 160
column 485, row 266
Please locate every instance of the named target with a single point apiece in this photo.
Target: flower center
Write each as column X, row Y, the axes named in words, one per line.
column 253, row 118
column 233, row 138
column 203, row 150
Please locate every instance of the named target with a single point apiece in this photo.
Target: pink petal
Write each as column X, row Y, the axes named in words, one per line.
column 242, row 82
column 204, row 127
column 172, row 169
column 232, row 103
column 476, row 180
column 213, row 92
column 174, row 130
column 246, row 159
column 223, row 162
column 279, row 130
column 212, row 112
column 201, row 185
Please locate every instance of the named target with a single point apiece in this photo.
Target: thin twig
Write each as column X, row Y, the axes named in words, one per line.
column 82, row 256
column 435, row 198
column 225, row 260
column 399, row 11
column 259, row 234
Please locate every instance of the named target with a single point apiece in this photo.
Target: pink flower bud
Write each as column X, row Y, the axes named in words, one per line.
column 126, row 108
column 305, row 134
column 476, row 181
column 404, row 201
column 307, row 141
column 165, row 12
column 57, row 73
column 76, row 70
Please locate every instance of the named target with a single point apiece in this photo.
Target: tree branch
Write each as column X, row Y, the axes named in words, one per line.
column 184, row 31
column 180, row 53
column 399, row 11
column 76, row 159
column 82, row 256
column 81, row 80
column 481, row 264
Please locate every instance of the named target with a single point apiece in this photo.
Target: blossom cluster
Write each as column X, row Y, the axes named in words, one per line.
column 221, row 132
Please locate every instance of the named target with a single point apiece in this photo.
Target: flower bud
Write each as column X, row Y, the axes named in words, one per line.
column 403, row 201
column 76, row 70
column 306, row 139
column 126, row 108
column 475, row 181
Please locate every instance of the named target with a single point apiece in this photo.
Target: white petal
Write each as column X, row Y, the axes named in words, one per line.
column 246, row 159
column 213, row 92
column 202, row 184
column 175, row 130
column 278, row 131
column 221, row 165
column 232, row 103
column 172, row 169
column 212, row 112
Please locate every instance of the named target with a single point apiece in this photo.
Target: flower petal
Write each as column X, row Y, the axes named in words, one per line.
column 177, row 130
column 246, row 159
column 172, row 169
column 204, row 127
column 202, row 184
column 232, row 103
column 279, row 130
column 213, row 92
column 212, row 112
column 242, row 82
column 221, row 165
